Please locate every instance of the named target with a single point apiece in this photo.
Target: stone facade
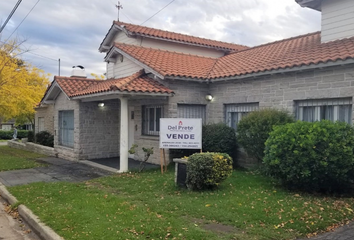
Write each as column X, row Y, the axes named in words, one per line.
column 280, row 91
column 63, row 104
column 99, row 130
column 47, row 113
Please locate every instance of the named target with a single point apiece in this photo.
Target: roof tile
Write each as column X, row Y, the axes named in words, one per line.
column 151, row 32
column 169, row 63
column 138, row 82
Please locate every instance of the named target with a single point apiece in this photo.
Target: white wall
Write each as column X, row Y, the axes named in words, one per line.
column 337, row 19
column 184, row 48
column 122, row 69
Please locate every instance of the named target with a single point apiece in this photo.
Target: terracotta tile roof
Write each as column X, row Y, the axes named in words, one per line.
column 138, row 82
column 170, row 64
column 299, row 51
column 294, row 52
column 157, row 33
column 72, row 85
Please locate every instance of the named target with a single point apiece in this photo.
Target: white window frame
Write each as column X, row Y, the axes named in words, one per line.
column 40, row 124
column 151, row 121
column 235, row 112
column 320, row 107
column 66, row 128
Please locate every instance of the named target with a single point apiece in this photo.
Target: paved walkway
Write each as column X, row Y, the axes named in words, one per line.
column 12, row 229
column 56, row 170
column 343, row 233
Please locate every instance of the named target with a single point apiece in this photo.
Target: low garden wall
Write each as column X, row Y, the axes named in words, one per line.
column 29, row 146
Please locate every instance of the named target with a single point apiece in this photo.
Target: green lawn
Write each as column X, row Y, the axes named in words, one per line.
column 12, row 159
column 149, row 206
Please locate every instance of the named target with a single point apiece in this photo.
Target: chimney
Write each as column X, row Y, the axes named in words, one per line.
column 78, row 71
column 337, row 17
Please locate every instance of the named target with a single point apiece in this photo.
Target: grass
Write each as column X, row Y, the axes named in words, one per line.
column 1, row 140
column 13, row 159
column 149, row 206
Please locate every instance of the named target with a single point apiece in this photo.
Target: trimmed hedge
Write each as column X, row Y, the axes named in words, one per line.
column 207, row 170
column 215, row 138
column 253, row 129
column 7, row 135
column 315, row 156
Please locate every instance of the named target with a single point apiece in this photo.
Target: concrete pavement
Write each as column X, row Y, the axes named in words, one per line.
column 13, row 229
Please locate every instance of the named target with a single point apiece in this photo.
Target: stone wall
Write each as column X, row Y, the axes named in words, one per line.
column 63, row 103
column 280, row 91
column 185, row 93
column 99, row 129
column 28, row 146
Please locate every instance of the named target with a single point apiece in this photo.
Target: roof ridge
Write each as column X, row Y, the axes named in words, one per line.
column 182, row 34
column 76, row 78
column 275, row 42
column 164, row 50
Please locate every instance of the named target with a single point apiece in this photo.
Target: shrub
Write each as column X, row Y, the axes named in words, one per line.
column 253, row 129
column 215, row 138
column 30, row 136
column 311, row 156
column 22, row 134
column 45, row 138
column 219, row 138
column 6, row 135
column 207, row 170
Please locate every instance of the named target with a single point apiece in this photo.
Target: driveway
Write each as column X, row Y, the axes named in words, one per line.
column 56, row 170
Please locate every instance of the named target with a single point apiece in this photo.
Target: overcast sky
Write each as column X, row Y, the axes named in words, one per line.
column 72, row 30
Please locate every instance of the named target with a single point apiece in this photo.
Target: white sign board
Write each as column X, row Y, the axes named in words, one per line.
column 182, row 133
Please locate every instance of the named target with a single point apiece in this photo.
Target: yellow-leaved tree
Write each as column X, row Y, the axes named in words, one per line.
column 21, row 85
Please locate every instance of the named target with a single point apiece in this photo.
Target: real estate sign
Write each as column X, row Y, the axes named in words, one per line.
column 182, row 133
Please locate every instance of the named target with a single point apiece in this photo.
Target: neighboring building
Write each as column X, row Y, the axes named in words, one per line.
column 153, row 73
column 8, row 125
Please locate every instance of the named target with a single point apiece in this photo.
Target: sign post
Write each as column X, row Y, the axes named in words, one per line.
column 179, row 133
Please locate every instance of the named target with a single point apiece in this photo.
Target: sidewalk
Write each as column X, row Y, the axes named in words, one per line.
column 11, row 229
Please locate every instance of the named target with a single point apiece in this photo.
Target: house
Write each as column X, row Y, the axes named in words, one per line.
column 154, row 73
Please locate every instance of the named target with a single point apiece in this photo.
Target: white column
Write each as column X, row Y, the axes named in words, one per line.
column 123, row 135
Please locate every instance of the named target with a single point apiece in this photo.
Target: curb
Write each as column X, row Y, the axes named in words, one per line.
column 100, row 166
column 43, row 231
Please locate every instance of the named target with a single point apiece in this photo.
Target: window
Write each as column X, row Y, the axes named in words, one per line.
column 151, row 119
column 235, row 112
column 66, row 128
column 40, row 124
column 191, row 111
column 339, row 109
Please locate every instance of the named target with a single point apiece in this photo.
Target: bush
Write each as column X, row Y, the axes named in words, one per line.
column 207, row 170
column 215, row 138
column 30, row 136
column 22, row 134
column 45, row 138
column 6, row 135
column 253, row 129
column 311, row 156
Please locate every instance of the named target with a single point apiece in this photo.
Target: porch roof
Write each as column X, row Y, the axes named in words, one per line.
column 138, row 83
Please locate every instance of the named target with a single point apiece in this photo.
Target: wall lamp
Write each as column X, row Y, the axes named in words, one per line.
column 209, row 97
column 101, row 104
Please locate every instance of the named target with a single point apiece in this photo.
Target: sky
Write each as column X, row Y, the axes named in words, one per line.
column 72, row 30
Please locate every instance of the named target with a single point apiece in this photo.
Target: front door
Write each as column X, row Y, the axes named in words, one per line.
column 131, row 126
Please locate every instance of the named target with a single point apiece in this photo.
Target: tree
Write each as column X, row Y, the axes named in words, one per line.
column 21, row 85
